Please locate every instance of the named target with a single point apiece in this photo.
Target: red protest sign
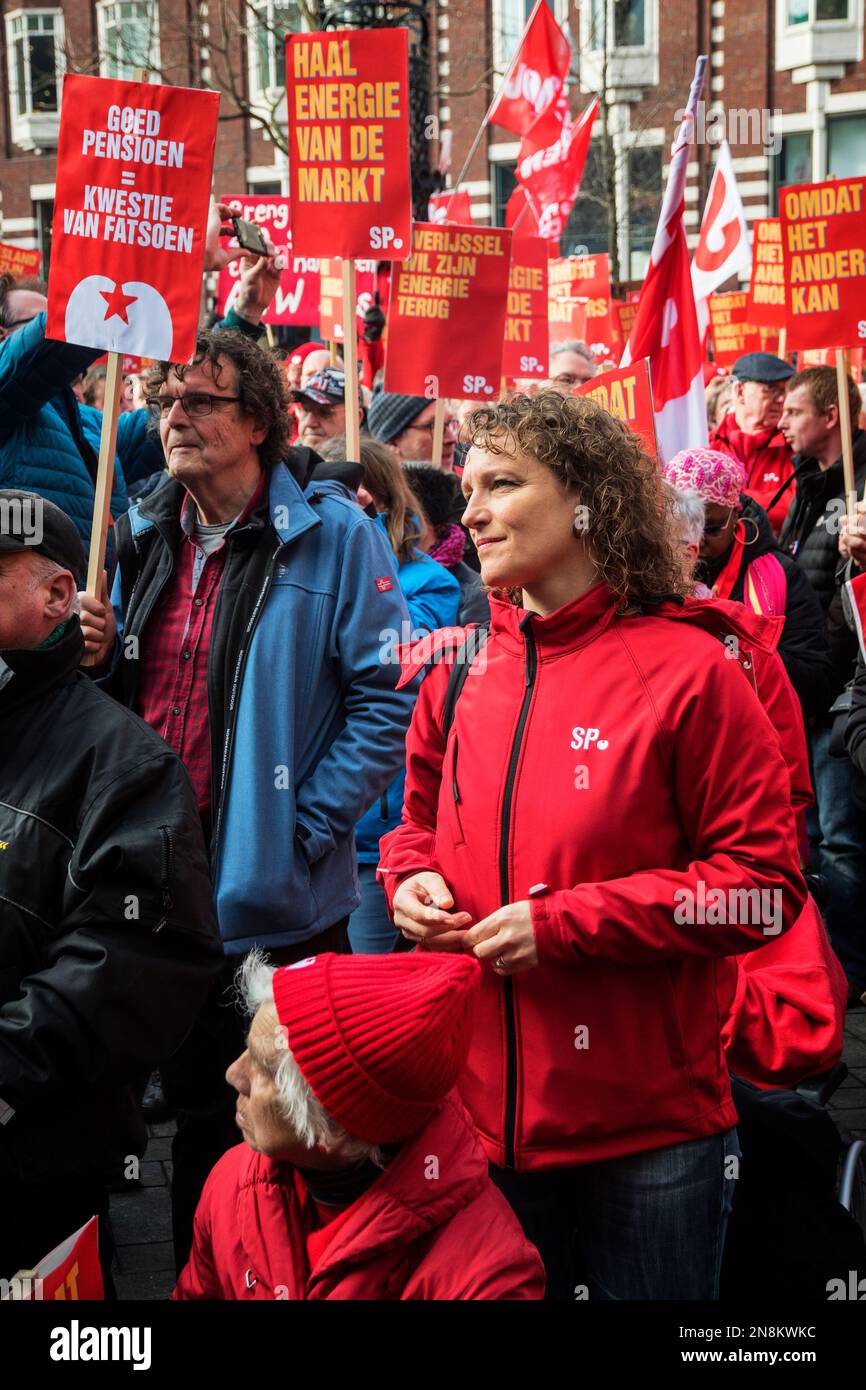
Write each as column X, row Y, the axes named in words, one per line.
column 452, row 206
column 592, row 279
column 347, row 95
column 767, row 284
column 826, row 357
column 331, row 295
column 446, row 315
column 297, row 299
column 525, row 349
column 825, row 263
column 625, row 315
column 133, row 185
column 626, row 393
column 71, row 1271
column 18, row 261
column 733, row 334
column 566, row 309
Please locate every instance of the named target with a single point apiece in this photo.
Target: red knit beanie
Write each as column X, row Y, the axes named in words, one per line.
column 380, row 1039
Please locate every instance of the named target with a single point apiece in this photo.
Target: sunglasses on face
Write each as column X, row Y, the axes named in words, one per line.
column 715, row 528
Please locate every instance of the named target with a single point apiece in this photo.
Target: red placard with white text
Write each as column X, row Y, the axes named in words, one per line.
column 446, row 314
column 131, row 204
column 347, row 96
column 626, row 393
column 330, row 306
column 18, row 261
column 297, row 299
column 525, row 350
column 825, row 263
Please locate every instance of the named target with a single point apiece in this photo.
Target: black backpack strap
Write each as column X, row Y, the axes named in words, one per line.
column 463, row 659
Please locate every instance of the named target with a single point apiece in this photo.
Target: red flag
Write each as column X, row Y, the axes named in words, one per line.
column 533, row 94
column 551, row 176
column 451, row 206
column 723, row 245
column 520, row 214
column 666, row 327
column 856, row 590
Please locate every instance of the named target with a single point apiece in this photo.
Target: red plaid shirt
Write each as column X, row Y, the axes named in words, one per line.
column 172, row 683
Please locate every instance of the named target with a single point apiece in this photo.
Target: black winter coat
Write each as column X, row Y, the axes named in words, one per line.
column 108, row 935
column 803, row 645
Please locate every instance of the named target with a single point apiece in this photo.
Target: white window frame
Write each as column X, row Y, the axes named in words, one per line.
column 59, row 30
column 630, row 67
column 266, row 97
column 819, row 48
column 127, row 68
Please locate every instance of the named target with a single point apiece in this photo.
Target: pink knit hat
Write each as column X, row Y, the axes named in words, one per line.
column 380, row 1039
column 717, row 477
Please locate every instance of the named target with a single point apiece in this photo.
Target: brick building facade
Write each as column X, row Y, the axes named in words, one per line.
column 789, row 76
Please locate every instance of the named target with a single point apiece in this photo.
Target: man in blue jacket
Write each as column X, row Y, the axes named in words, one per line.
column 254, row 613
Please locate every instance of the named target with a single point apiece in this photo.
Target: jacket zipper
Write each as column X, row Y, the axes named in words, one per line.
column 455, row 790
column 231, row 711
column 531, row 672
column 165, row 880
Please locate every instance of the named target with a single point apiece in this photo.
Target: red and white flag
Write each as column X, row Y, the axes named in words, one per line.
column 723, row 246
column 666, row 327
column 856, row 591
column 452, row 206
column 533, row 96
column 551, row 177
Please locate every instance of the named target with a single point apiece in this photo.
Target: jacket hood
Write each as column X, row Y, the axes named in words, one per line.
column 400, row 1208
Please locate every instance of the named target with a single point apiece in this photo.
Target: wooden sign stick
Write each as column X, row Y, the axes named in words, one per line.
column 845, row 427
column 350, row 363
column 438, row 432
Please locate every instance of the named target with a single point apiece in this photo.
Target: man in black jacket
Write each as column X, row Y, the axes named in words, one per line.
column 108, row 939
column 810, row 535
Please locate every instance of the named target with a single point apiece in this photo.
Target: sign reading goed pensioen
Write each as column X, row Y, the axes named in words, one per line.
column 134, row 168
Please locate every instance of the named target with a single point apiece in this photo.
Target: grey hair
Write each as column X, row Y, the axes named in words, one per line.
column 573, row 345
column 299, row 1106
column 690, row 509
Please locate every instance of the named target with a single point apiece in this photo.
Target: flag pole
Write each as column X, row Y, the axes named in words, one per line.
column 484, row 124
column 350, row 362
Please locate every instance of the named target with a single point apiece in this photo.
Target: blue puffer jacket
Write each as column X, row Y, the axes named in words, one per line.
column 49, row 443
column 432, row 596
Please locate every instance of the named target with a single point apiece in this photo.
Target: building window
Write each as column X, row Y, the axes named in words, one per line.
column 625, row 19
column 846, row 147
column 793, row 162
column 504, row 184
column 586, row 231
column 816, row 11
column 35, row 40
column 128, row 38
column 270, row 22
column 644, row 205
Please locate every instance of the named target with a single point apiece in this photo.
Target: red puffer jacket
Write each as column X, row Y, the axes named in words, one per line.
column 624, row 763
column 433, row 1226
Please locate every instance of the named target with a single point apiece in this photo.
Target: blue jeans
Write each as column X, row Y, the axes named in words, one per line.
column 648, row 1226
column 371, row 931
column 837, row 831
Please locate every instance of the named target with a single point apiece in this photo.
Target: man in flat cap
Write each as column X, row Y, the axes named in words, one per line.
column 750, row 432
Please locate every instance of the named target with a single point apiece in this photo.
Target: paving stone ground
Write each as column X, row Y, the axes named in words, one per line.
column 141, row 1216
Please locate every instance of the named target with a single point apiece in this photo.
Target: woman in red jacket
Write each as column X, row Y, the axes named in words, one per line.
column 605, row 825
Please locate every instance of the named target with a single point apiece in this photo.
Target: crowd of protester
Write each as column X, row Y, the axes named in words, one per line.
column 466, row 850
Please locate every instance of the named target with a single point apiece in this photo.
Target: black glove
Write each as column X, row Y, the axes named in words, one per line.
column 374, row 321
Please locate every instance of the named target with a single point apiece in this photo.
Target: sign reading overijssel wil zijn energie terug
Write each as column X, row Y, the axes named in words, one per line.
column 347, row 97
column 134, row 168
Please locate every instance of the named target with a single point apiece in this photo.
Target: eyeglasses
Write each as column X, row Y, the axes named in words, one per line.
column 715, row 528
column 451, row 426
column 193, row 403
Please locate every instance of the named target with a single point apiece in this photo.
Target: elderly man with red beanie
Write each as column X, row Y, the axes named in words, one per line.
column 362, row 1176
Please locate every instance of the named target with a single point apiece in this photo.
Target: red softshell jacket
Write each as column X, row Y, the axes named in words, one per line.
column 624, row 763
column 433, row 1226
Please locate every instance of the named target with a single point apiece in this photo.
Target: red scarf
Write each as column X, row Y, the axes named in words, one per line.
column 728, row 576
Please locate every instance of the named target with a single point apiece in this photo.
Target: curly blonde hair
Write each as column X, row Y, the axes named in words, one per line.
column 629, row 536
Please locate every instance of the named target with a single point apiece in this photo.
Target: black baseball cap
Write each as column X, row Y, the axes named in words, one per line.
column 31, row 522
